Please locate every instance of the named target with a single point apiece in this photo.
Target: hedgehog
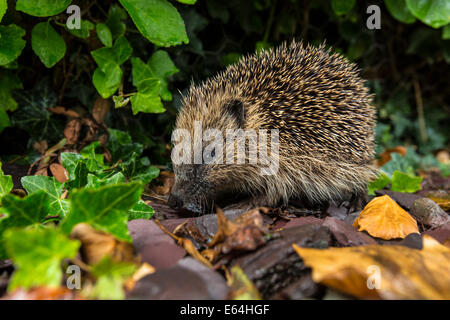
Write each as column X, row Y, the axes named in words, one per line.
column 312, row 98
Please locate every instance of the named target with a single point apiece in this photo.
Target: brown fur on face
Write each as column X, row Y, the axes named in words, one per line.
column 323, row 113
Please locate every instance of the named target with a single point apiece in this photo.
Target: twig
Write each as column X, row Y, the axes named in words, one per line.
column 419, row 104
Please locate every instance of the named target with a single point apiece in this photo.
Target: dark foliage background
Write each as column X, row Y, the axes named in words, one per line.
column 406, row 65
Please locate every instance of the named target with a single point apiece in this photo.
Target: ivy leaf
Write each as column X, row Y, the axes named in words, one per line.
column 399, row 10
column 187, row 1
column 158, row 21
column 105, row 208
column 107, row 82
column 11, row 43
column 433, row 13
column 341, row 7
column 8, row 82
column 160, row 67
column 96, row 182
column 95, row 161
column 84, row 31
column 104, row 34
column 147, row 98
column 22, row 212
column 52, row 188
column 403, row 182
column 379, row 183
column 43, row 8
column 3, row 7
column 140, row 211
column 114, row 21
column 118, row 54
column 37, row 255
column 34, row 116
column 6, row 183
column 4, row 119
column 110, row 278
column 48, row 45
column 121, row 146
column 163, row 67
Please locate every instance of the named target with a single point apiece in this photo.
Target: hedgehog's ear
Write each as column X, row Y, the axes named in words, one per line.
column 236, row 109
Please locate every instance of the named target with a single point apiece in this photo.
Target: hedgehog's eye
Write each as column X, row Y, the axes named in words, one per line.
column 213, row 153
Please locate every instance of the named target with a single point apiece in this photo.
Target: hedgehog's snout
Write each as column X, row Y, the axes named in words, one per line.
column 175, row 201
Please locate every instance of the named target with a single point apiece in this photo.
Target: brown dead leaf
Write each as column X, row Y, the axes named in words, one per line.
column 63, row 111
column 95, row 245
column 394, row 272
column 186, row 244
column 144, row 270
column 100, row 109
column 245, row 233
column 41, row 146
column 72, row 131
column 442, row 199
column 167, row 180
column 384, row 218
column 443, row 156
column 386, row 155
column 44, row 293
column 59, row 172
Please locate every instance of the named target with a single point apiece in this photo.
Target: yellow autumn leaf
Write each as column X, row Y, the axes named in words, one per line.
column 384, row 218
column 386, row 272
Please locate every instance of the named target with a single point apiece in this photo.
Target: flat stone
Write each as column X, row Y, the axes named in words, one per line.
column 187, row 280
column 346, row 234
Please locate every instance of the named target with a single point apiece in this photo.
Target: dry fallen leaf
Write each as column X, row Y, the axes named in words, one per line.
column 241, row 286
column 245, row 233
column 100, row 109
column 186, row 244
column 44, row 293
column 167, row 179
column 59, row 172
column 393, row 272
column 386, row 155
column 72, row 131
column 95, row 245
column 144, row 270
column 384, row 218
column 441, row 198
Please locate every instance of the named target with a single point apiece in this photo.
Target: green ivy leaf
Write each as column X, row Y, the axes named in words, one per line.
column 42, row 8
column 37, row 255
column 110, row 278
column 187, row 1
column 104, row 34
column 107, row 82
column 341, row 7
column 121, row 146
column 95, row 161
column 22, row 212
column 8, row 82
column 6, row 184
column 399, row 10
column 84, row 31
column 158, row 21
column 4, row 119
column 96, row 182
column 114, row 21
column 34, row 116
column 105, row 208
column 446, row 32
column 52, row 188
column 11, row 43
column 48, row 45
column 147, row 102
column 3, row 7
column 163, row 67
column 379, row 183
column 403, row 182
column 140, row 211
column 434, row 13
